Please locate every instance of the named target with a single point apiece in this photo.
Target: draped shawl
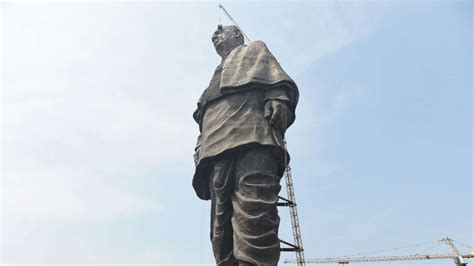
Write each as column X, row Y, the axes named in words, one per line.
column 247, row 67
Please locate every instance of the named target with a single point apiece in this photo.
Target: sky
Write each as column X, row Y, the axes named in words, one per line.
column 97, row 134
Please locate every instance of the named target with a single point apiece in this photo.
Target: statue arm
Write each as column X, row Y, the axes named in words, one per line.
column 197, row 116
column 197, row 149
column 278, row 93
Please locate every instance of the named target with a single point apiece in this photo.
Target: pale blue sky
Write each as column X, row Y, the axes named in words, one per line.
column 97, row 133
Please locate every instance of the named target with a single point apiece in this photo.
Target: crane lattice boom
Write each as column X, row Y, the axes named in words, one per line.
column 455, row 255
column 345, row 260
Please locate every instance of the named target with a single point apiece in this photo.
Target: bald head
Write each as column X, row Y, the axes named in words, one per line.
column 226, row 38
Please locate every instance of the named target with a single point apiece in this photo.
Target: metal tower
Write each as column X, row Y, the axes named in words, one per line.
column 297, row 247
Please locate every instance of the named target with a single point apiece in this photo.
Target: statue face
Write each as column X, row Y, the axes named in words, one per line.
column 225, row 39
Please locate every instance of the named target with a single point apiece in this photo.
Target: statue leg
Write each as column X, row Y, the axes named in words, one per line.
column 255, row 220
column 222, row 187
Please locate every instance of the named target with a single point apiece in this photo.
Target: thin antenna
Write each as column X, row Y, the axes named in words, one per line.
column 235, row 23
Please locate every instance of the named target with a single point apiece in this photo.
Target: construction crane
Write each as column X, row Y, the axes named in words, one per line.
column 456, row 255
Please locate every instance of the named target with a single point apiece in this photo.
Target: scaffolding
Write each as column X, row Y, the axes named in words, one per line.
column 290, row 202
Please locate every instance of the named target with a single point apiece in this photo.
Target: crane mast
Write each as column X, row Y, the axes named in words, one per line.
column 295, row 224
column 458, row 259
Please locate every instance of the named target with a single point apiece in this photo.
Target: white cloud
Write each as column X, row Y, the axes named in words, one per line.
column 93, row 98
column 69, row 195
column 85, row 100
column 300, row 33
column 341, row 104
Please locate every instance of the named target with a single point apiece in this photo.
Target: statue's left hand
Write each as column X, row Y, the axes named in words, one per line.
column 196, row 157
column 277, row 113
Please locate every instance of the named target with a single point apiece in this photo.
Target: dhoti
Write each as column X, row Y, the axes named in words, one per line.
column 244, row 187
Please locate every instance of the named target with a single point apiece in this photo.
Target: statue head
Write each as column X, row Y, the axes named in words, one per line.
column 226, row 38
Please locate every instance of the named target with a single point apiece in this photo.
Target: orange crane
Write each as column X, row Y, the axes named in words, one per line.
column 456, row 255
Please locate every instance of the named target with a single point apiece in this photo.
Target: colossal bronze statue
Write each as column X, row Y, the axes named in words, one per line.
column 240, row 155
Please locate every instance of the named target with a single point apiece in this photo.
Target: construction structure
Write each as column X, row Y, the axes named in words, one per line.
column 290, row 202
column 456, row 255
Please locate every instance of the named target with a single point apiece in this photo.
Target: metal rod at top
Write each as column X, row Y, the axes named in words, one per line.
column 235, row 23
